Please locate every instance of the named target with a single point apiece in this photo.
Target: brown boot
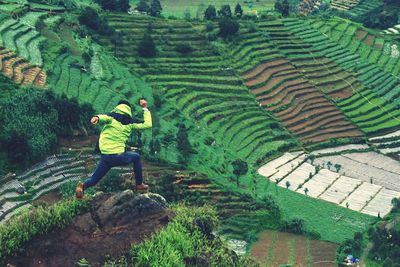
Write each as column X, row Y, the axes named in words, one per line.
column 79, row 191
column 142, row 187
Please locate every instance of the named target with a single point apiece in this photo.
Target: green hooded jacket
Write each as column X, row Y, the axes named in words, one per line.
column 114, row 134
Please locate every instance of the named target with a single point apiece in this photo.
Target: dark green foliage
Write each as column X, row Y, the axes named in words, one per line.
column 210, row 13
column 350, row 246
column 32, row 119
column 228, row 27
column 155, row 8
column 28, row 120
column 142, row 6
column 209, row 26
column 295, row 226
column 114, row 5
column 147, row 47
column 90, row 18
column 238, row 10
column 381, row 19
column 183, row 143
column 225, row 11
column 240, row 168
column 282, row 6
column 396, row 205
column 184, row 48
column 386, row 243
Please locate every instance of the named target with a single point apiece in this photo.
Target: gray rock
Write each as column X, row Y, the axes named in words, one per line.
column 20, row 190
column 126, row 207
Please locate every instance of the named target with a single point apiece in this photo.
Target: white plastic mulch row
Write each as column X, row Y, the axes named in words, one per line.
column 279, row 168
column 381, row 204
column 361, row 196
column 391, row 135
column 367, row 167
column 340, row 189
column 340, row 149
column 298, row 176
column 319, row 182
column 367, row 182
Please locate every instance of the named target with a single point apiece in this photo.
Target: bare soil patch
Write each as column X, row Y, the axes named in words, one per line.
column 323, row 253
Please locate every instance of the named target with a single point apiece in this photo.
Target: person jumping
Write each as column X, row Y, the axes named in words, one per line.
column 117, row 128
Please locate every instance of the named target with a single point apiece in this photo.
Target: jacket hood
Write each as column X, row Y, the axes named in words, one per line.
column 123, row 109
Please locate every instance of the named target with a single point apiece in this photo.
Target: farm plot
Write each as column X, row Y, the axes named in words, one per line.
column 276, row 249
column 282, row 166
column 371, row 107
column 283, row 90
column 369, row 167
column 344, row 4
column 340, row 189
column 22, row 39
column 38, row 180
column 387, row 144
column 21, row 71
column 334, row 150
column 379, row 204
column 362, row 181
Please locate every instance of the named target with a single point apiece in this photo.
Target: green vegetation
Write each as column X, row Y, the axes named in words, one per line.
column 32, row 120
column 40, row 220
column 183, row 241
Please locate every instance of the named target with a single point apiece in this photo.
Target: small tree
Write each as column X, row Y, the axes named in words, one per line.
column 240, row 168
column 306, row 191
column 142, row 6
column 155, row 8
column 186, row 14
column 329, row 165
column 147, row 47
column 225, row 11
column 238, row 10
column 338, row 167
column 287, row 184
column 227, row 27
column 282, row 6
column 183, row 143
column 210, row 13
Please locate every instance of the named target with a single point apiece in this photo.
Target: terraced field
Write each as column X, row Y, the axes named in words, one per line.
column 344, row 4
column 372, row 107
column 278, row 249
column 377, row 49
column 39, row 180
column 20, row 70
column 296, row 99
column 103, row 87
column 362, row 181
column 363, row 7
column 201, row 86
column 21, row 38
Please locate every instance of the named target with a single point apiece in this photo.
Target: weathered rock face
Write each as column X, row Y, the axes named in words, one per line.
column 126, row 207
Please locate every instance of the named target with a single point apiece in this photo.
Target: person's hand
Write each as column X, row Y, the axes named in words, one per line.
column 143, row 103
column 94, row 120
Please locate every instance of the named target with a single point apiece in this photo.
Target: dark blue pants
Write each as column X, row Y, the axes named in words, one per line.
column 108, row 161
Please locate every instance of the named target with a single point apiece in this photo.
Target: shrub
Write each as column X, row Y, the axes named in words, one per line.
column 91, row 19
column 147, row 47
column 210, row 13
column 295, row 226
column 209, row 26
column 184, row 48
column 115, row 5
column 228, row 27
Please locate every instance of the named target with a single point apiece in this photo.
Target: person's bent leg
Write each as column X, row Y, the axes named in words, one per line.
column 133, row 157
column 101, row 170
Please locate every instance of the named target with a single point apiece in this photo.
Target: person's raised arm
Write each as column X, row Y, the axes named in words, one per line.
column 100, row 118
column 146, row 115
